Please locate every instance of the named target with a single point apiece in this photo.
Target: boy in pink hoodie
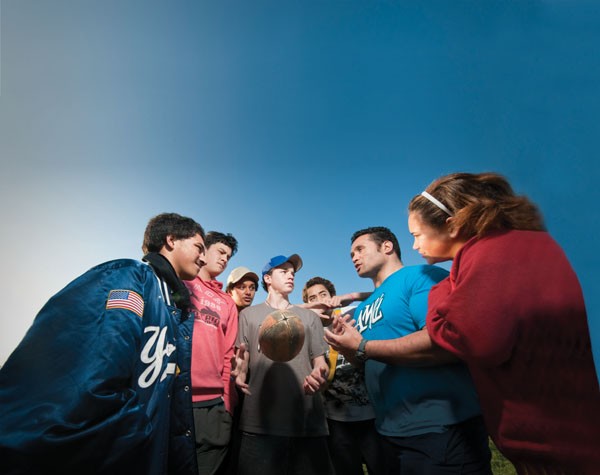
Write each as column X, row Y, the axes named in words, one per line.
column 213, row 342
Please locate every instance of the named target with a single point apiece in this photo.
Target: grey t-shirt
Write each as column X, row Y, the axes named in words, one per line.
column 278, row 405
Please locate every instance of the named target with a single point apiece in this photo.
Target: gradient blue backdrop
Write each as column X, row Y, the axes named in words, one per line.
column 289, row 124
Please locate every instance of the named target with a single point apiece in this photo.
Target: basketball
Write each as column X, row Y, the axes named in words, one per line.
column 281, row 336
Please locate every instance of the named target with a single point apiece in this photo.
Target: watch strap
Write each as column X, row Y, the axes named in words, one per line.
column 361, row 355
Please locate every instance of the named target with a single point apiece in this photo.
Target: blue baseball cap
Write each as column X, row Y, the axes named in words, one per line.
column 276, row 261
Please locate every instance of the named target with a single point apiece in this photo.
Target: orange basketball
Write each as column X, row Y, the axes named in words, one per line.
column 281, row 336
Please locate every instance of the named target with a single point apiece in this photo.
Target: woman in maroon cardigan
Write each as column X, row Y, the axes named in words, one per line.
column 513, row 310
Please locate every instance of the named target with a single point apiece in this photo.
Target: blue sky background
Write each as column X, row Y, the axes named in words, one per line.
column 289, row 124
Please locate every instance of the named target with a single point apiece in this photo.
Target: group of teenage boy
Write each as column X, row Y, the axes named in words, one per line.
column 151, row 367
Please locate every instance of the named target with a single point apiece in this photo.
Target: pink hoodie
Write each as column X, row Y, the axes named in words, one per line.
column 213, row 341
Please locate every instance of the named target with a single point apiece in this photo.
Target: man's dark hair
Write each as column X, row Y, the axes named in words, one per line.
column 316, row 281
column 214, row 237
column 168, row 224
column 379, row 234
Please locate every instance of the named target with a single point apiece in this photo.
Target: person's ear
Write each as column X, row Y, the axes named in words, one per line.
column 453, row 231
column 388, row 247
column 170, row 242
column 267, row 279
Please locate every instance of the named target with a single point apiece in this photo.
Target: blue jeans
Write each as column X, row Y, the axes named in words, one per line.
column 275, row 455
column 462, row 449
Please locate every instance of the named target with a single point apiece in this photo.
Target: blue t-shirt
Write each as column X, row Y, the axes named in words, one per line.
column 411, row 401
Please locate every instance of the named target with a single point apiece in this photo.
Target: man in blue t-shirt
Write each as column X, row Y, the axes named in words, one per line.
column 426, row 407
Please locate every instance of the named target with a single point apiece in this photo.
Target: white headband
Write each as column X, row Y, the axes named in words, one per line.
column 437, row 202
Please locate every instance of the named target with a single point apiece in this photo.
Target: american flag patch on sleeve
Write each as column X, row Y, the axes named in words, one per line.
column 127, row 299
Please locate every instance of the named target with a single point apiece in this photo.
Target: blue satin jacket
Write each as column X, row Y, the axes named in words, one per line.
column 88, row 390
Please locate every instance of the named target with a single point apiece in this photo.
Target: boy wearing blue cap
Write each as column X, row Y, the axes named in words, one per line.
column 283, row 418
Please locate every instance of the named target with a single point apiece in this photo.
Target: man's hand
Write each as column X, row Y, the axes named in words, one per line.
column 239, row 368
column 344, row 337
column 323, row 309
column 317, row 379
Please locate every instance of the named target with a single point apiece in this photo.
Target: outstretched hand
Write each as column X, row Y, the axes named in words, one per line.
column 323, row 309
column 239, row 368
column 343, row 336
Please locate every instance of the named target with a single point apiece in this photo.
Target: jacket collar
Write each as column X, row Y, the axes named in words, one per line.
column 180, row 295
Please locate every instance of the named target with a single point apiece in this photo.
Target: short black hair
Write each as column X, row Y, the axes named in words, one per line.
column 316, row 281
column 168, row 224
column 379, row 234
column 214, row 237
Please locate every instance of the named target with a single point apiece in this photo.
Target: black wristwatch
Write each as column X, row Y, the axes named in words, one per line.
column 361, row 355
